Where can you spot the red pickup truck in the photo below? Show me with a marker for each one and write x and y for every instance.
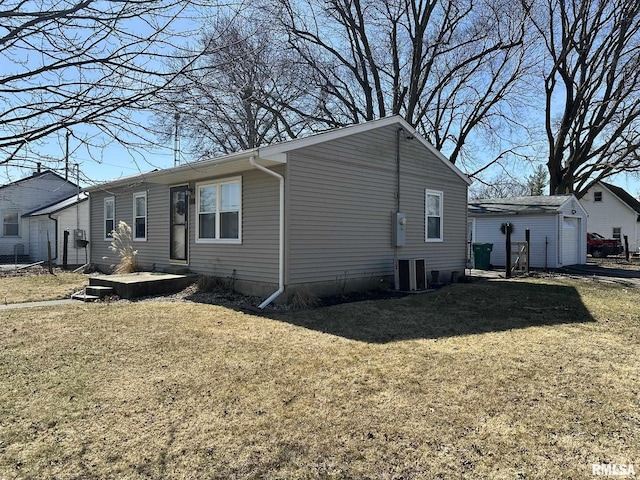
(598, 246)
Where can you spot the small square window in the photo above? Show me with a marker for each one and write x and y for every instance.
(597, 196)
(219, 211)
(617, 233)
(10, 224)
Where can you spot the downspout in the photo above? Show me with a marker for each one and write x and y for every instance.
(395, 217)
(55, 221)
(398, 168)
(274, 295)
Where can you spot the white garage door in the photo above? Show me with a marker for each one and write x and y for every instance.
(570, 236)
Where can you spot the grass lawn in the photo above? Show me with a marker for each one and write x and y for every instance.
(520, 379)
(35, 288)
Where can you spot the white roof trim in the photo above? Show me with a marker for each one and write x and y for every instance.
(277, 153)
(573, 197)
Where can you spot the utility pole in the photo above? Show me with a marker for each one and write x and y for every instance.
(66, 156)
(77, 195)
(176, 142)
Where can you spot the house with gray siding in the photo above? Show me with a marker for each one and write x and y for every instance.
(22, 234)
(557, 227)
(328, 213)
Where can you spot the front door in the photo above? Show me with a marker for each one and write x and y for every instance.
(179, 222)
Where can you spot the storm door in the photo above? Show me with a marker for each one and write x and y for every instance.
(179, 223)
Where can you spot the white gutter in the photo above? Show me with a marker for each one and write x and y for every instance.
(274, 295)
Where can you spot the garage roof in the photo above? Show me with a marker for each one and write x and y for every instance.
(548, 204)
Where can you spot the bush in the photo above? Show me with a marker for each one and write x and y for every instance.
(211, 284)
(121, 245)
(304, 299)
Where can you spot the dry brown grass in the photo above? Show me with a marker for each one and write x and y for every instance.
(35, 288)
(521, 379)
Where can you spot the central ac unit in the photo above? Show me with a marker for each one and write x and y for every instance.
(410, 274)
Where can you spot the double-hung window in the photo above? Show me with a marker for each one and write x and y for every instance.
(219, 211)
(617, 233)
(433, 216)
(140, 216)
(10, 225)
(109, 217)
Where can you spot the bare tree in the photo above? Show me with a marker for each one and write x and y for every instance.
(500, 186)
(592, 88)
(89, 62)
(452, 68)
(231, 96)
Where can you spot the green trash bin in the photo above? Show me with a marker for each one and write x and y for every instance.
(482, 255)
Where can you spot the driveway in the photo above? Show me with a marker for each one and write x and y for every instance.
(600, 270)
(614, 273)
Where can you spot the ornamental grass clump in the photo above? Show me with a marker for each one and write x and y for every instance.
(121, 245)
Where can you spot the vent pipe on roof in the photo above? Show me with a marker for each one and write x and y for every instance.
(276, 294)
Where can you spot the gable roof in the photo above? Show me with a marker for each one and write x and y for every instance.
(273, 155)
(276, 151)
(59, 206)
(543, 204)
(624, 196)
(37, 175)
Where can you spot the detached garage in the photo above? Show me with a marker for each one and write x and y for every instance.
(557, 225)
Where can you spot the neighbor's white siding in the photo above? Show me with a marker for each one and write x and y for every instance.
(573, 208)
(543, 229)
(548, 246)
(26, 196)
(41, 231)
(72, 218)
(609, 213)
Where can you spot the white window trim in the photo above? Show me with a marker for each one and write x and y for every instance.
(428, 192)
(135, 217)
(613, 233)
(17, 213)
(107, 238)
(218, 184)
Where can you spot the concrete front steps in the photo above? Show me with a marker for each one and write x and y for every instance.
(91, 293)
(133, 285)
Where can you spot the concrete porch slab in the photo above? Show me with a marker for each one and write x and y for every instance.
(141, 284)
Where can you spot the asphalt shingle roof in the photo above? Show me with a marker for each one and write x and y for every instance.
(61, 205)
(517, 205)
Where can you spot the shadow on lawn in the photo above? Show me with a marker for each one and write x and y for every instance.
(461, 309)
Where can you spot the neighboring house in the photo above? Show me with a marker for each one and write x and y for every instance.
(71, 220)
(613, 213)
(557, 226)
(317, 213)
(20, 235)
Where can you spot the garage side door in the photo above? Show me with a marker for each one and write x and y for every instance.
(570, 236)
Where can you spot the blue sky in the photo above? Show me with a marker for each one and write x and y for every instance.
(114, 161)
